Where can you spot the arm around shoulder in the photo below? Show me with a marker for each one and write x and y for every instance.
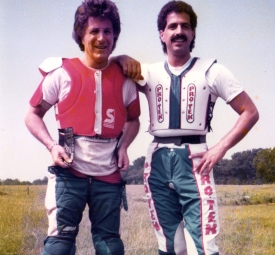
(131, 67)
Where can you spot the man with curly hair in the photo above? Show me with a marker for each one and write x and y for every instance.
(97, 112)
(181, 94)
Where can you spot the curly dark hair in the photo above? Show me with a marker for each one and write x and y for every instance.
(177, 7)
(95, 8)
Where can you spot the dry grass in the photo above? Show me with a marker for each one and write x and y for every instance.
(246, 194)
(136, 225)
(22, 222)
(245, 229)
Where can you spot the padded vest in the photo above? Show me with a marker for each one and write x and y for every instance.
(195, 100)
(78, 109)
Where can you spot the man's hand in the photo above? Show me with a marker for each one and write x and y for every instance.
(59, 156)
(208, 159)
(248, 116)
(123, 160)
(131, 67)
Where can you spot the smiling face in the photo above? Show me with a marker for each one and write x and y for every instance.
(98, 42)
(177, 35)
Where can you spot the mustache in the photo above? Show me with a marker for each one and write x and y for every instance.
(179, 36)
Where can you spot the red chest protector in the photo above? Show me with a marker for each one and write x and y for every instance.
(77, 110)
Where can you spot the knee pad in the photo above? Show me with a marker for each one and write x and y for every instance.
(108, 246)
(58, 246)
(180, 241)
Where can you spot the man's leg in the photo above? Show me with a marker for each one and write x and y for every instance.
(105, 206)
(199, 202)
(65, 202)
(163, 201)
(55, 246)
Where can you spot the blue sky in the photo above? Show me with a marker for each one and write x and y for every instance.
(239, 34)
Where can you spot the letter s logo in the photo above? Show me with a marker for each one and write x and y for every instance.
(111, 115)
(109, 122)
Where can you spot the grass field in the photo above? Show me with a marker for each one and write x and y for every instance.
(247, 215)
(22, 220)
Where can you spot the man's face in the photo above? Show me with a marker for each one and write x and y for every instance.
(177, 34)
(98, 42)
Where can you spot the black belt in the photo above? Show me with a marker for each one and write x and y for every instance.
(178, 140)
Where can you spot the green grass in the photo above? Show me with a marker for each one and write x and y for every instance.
(245, 194)
(20, 219)
(247, 230)
(247, 224)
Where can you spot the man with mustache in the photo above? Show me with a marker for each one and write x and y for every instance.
(181, 93)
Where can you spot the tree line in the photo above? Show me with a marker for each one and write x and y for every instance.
(9, 181)
(256, 166)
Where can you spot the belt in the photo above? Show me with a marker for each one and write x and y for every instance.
(178, 140)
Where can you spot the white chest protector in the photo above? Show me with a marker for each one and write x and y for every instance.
(195, 100)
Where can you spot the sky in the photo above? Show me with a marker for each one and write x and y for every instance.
(239, 34)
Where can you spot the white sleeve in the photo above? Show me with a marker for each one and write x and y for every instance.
(129, 92)
(144, 73)
(56, 86)
(223, 83)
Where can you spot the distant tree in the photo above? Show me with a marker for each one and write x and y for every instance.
(239, 170)
(243, 167)
(40, 182)
(25, 183)
(11, 182)
(134, 177)
(265, 164)
(139, 163)
(222, 172)
(134, 173)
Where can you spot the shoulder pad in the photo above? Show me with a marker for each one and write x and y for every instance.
(206, 63)
(156, 65)
(49, 65)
